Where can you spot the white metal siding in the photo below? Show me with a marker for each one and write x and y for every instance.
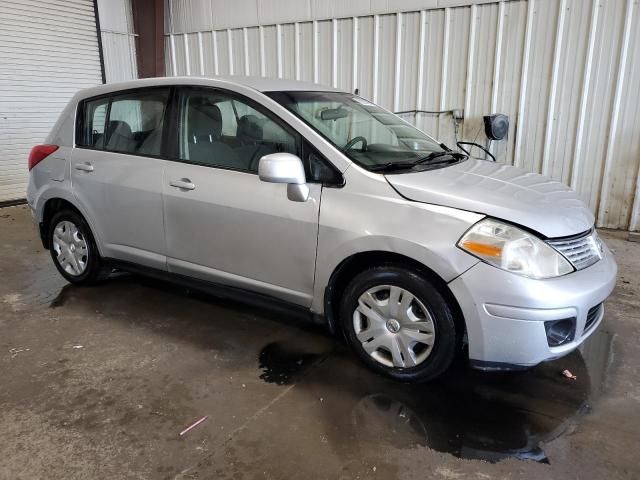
(118, 40)
(567, 72)
(48, 50)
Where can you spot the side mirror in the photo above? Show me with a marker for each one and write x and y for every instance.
(285, 168)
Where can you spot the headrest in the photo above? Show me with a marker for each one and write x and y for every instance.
(119, 136)
(119, 127)
(151, 114)
(249, 129)
(204, 119)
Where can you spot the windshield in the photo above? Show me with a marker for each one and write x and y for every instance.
(369, 135)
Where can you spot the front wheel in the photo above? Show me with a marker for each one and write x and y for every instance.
(399, 324)
(74, 250)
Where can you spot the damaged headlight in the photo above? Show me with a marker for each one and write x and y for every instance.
(514, 250)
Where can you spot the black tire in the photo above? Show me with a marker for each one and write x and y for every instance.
(96, 271)
(445, 345)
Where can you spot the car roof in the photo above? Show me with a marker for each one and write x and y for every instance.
(261, 84)
(270, 84)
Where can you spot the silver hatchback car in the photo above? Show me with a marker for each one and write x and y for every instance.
(292, 194)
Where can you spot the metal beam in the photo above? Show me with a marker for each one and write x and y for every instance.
(334, 53)
(445, 62)
(423, 32)
(230, 50)
(296, 48)
(354, 73)
(615, 120)
(279, 49)
(586, 87)
(174, 63)
(214, 45)
(316, 72)
(245, 39)
(396, 79)
(551, 106)
(471, 53)
(262, 56)
(201, 53)
(187, 60)
(376, 43)
(497, 58)
(524, 78)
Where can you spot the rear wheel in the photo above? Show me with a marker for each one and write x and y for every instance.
(74, 250)
(398, 323)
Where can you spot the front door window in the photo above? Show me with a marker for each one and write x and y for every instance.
(219, 130)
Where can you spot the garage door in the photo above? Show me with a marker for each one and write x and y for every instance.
(48, 51)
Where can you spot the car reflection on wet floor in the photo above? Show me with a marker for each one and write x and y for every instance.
(470, 414)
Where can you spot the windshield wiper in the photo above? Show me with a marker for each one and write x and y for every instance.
(433, 155)
(390, 166)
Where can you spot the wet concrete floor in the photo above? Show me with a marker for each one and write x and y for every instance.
(98, 382)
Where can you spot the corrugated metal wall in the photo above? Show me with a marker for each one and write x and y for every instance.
(118, 40)
(567, 72)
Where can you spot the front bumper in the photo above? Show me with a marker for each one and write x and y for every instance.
(505, 313)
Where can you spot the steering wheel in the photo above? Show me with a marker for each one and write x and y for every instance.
(354, 141)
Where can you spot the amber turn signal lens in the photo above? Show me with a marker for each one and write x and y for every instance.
(482, 249)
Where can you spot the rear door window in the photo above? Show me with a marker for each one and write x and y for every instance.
(128, 123)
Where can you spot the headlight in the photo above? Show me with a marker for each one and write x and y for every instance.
(512, 249)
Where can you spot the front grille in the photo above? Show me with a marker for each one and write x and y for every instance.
(592, 317)
(581, 251)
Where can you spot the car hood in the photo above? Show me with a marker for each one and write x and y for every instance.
(501, 191)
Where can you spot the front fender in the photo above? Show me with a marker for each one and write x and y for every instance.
(352, 223)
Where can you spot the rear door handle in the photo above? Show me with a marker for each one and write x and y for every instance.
(85, 167)
(183, 184)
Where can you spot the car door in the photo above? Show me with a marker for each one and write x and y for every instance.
(223, 224)
(116, 173)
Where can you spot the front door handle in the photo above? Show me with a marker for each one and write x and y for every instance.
(85, 167)
(182, 184)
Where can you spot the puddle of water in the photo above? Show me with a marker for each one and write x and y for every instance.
(38, 289)
(282, 366)
(68, 290)
(467, 413)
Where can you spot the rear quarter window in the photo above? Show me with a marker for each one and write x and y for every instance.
(94, 117)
